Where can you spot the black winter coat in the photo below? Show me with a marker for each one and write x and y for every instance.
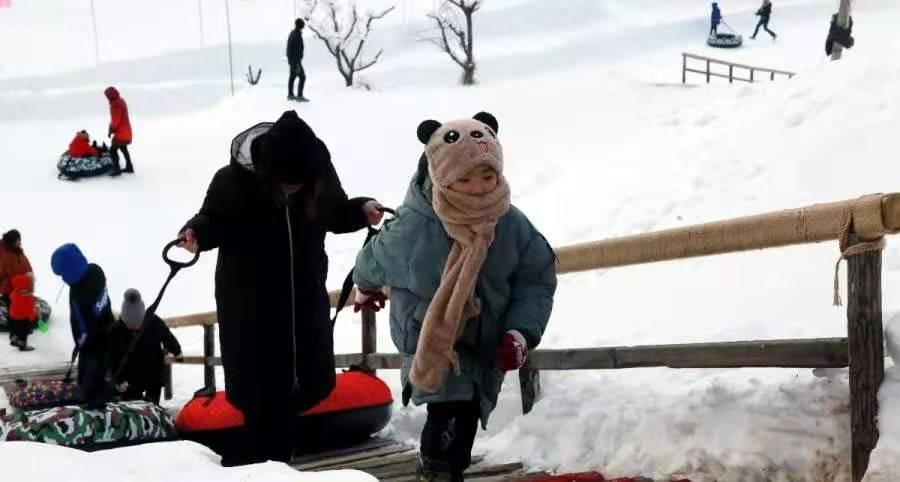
(90, 311)
(295, 47)
(764, 12)
(144, 366)
(273, 309)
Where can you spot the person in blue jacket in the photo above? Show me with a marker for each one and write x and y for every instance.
(472, 284)
(90, 317)
(715, 19)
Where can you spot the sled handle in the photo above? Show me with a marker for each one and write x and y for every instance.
(178, 264)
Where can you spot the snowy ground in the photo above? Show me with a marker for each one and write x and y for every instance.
(599, 143)
(170, 461)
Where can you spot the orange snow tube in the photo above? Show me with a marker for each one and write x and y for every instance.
(358, 407)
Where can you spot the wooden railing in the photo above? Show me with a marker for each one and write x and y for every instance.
(859, 222)
(731, 76)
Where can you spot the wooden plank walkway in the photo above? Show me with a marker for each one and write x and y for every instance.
(391, 461)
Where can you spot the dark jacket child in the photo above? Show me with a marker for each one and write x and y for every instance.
(141, 376)
(91, 319)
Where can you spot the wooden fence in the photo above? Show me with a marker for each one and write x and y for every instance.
(731, 75)
(859, 223)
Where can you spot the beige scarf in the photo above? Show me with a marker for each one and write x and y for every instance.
(471, 222)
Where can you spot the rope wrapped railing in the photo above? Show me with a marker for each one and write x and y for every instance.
(859, 225)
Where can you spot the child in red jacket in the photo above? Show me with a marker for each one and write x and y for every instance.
(81, 147)
(23, 316)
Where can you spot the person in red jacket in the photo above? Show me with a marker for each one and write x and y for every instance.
(23, 316)
(119, 130)
(12, 261)
(81, 147)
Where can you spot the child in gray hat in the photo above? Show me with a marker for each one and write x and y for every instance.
(142, 375)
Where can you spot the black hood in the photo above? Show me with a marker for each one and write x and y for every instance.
(286, 151)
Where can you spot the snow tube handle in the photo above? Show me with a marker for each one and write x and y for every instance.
(178, 264)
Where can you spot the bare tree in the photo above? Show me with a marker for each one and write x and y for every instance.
(453, 35)
(344, 33)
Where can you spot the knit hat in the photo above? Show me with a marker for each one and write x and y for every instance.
(133, 309)
(68, 261)
(289, 152)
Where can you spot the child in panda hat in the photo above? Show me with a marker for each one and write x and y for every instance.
(472, 284)
(142, 375)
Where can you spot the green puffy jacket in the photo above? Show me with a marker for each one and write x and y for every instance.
(516, 287)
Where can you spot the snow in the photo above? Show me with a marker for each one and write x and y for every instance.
(171, 461)
(601, 140)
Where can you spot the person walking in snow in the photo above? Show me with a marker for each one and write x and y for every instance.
(90, 317)
(715, 19)
(141, 377)
(268, 212)
(472, 284)
(295, 61)
(119, 131)
(764, 13)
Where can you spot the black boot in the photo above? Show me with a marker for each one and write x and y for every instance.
(434, 471)
(128, 168)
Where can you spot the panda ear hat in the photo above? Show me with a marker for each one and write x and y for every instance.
(489, 119)
(429, 127)
(426, 129)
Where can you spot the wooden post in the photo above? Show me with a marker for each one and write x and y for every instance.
(707, 71)
(843, 21)
(530, 385)
(209, 351)
(683, 68)
(730, 74)
(369, 334)
(751, 75)
(772, 77)
(167, 391)
(866, 347)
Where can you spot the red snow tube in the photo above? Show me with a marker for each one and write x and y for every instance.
(359, 406)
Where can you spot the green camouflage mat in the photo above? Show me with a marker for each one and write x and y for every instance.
(74, 426)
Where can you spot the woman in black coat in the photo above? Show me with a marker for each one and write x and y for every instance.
(267, 212)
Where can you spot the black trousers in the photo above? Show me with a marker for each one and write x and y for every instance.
(298, 73)
(151, 393)
(448, 437)
(92, 385)
(714, 29)
(114, 153)
(764, 23)
(21, 329)
(268, 435)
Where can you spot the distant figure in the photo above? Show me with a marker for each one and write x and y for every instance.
(715, 19)
(764, 12)
(295, 61)
(119, 130)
